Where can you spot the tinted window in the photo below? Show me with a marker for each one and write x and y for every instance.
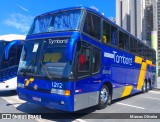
(106, 32)
(92, 25)
(154, 55)
(84, 61)
(121, 40)
(140, 49)
(11, 61)
(96, 60)
(114, 35)
(126, 40)
(147, 52)
(133, 45)
(150, 54)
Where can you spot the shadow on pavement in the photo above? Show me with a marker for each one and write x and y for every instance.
(8, 93)
(54, 115)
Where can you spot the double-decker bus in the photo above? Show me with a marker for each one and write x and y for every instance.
(10, 51)
(76, 58)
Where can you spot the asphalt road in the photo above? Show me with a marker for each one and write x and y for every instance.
(139, 103)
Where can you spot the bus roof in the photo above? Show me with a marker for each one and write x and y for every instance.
(11, 37)
(99, 14)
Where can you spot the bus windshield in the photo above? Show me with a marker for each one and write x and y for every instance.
(53, 61)
(60, 21)
(40, 58)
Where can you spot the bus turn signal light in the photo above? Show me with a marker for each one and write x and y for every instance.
(67, 93)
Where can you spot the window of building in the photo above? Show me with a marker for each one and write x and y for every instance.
(92, 25)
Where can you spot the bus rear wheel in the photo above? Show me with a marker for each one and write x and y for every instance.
(104, 97)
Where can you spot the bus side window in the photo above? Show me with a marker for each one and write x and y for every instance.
(127, 40)
(106, 32)
(121, 40)
(84, 62)
(114, 36)
(96, 60)
(145, 51)
(92, 25)
(13, 56)
(150, 54)
(11, 61)
(133, 45)
(140, 49)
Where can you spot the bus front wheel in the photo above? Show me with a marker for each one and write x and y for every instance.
(104, 97)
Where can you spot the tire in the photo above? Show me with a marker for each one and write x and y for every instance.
(144, 88)
(148, 86)
(104, 97)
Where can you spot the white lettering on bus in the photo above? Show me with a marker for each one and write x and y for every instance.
(119, 58)
(122, 59)
(51, 41)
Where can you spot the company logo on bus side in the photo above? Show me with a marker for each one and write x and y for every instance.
(119, 58)
(58, 41)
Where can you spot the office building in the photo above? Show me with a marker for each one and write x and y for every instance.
(136, 16)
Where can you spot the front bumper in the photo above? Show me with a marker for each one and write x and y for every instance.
(52, 101)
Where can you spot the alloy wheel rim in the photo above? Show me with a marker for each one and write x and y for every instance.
(104, 95)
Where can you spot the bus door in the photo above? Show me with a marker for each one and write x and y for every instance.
(83, 74)
(96, 76)
(88, 77)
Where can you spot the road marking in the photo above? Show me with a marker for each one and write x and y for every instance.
(44, 120)
(154, 92)
(13, 100)
(152, 98)
(130, 105)
(79, 120)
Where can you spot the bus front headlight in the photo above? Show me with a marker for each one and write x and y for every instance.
(20, 85)
(60, 92)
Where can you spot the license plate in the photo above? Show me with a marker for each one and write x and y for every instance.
(36, 99)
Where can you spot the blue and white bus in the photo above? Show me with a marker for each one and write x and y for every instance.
(76, 58)
(10, 51)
